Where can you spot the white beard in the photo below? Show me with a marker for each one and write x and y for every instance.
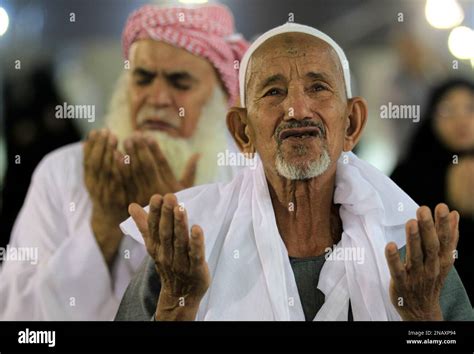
(313, 169)
(208, 140)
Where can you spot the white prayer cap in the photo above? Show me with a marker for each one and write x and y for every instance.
(287, 28)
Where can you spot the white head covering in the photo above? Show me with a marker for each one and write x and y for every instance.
(286, 28)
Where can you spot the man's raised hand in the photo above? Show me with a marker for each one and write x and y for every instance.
(149, 172)
(415, 286)
(104, 183)
(179, 258)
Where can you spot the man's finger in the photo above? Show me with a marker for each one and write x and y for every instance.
(109, 156)
(88, 148)
(156, 202)
(449, 256)
(164, 168)
(136, 171)
(96, 155)
(197, 256)
(190, 171)
(123, 167)
(454, 217)
(140, 216)
(395, 265)
(165, 254)
(89, 143)
(414, 253)
(429, 239)
(118, 184)
(181, 238)
(443, 227)
(147, 165)
(89, 171)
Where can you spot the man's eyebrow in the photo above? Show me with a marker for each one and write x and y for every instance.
(180, 75)
(143, 72)
(317, 76)
(271, 80)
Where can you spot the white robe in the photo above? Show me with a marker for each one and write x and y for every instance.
(252, 278)
(71, 280)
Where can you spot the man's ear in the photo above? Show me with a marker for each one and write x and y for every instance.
(355, 122)
(239, 129)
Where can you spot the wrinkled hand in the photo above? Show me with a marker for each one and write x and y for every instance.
(148, 171)
(180, 259)
(106, 189)
(416, 285)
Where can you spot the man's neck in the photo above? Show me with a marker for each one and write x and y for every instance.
(307, 219)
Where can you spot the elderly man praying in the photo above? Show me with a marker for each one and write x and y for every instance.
(169, 106)
(313, 232)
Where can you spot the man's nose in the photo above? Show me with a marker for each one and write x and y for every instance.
(297, 105)
(160, 95)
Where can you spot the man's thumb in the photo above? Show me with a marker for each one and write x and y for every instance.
(140, 216)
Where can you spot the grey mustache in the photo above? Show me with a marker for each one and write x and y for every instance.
(300, 124)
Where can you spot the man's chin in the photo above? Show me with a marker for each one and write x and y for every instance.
(302, 167)
(301, 162)
(176, 150)
(301, 148)
(301, 156)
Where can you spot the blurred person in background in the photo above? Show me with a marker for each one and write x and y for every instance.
(418, 69)
(439, 166)
(32, 132)
(166, 125)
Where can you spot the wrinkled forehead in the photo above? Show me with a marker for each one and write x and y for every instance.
(302, 42)
(309, 52)
(156, 55)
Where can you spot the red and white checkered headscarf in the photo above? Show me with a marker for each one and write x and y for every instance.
(206, 31)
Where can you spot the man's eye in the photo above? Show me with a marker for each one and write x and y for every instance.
(273, 92)
(144, 80)
(180, 86)
(180, 81)
(318, 87)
